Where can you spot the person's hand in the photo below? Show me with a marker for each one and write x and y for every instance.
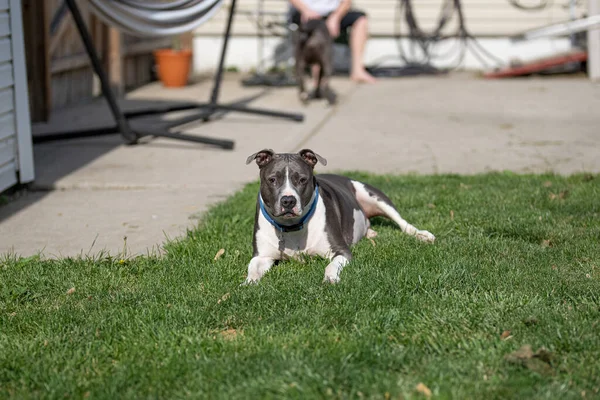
(310, 14)
(333, 25)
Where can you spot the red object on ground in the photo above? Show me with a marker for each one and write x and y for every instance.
(538, 65)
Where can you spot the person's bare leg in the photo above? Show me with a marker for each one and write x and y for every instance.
(358, 39)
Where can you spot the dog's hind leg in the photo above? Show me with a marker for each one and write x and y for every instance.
(300, 65)
(375, 203)
(318, 92)
(329, 93)
(325, 90)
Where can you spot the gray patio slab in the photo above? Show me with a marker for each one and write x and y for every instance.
(464, 125)
(98, 191)
(87, 222)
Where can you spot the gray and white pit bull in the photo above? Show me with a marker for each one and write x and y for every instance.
(298, 213)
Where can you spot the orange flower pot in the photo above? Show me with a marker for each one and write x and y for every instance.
(173, 67)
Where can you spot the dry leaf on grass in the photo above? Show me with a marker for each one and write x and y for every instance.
(451, 215)
(524, 353)
(230, 334)
(463, 186)
(421, 388)
(219, 254)
(538, 362)
(225, 297)
(530, 321)
(560, 195)
(505, 335)
(544, 355)
(547, 184)
(546, 243)
(71, 291)
(431, 205)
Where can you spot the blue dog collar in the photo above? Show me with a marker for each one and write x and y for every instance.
(295, 227)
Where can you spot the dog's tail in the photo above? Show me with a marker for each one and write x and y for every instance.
(375, 203)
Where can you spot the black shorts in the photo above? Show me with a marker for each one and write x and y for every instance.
(347, 20)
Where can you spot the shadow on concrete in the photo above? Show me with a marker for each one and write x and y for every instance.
(19, 201)
(96, 116)
(57, 159)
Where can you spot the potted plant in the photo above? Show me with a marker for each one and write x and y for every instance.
(173, 65)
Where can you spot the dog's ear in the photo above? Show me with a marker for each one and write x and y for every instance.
(262, 157)
(311, 158)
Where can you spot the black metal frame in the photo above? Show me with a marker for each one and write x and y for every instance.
(131, 136)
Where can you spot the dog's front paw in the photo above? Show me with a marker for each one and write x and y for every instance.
(425, 236)
(248, 282)
(304, 97)
(331, 97)
(332, 273)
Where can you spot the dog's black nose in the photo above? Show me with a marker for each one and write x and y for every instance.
(288, 202)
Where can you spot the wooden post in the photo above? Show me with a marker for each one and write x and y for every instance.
(187, 40)
(187, 43)
(97, 29)
(37, 31)
(593, 39)
(114, 60)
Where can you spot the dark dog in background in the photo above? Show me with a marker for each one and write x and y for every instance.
(314, 45)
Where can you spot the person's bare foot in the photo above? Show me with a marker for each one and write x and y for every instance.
(362, 76)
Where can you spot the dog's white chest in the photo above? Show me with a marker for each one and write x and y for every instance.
(311, 240)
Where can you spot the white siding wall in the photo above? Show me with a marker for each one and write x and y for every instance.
(492, 21)
(16, 156)
(494, 18)
(8, 168)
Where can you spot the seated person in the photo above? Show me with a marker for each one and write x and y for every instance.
(338, 15)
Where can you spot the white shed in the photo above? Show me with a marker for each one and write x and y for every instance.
(16, 150)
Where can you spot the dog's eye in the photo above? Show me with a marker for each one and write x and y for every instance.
(272, 180)
(303, 180)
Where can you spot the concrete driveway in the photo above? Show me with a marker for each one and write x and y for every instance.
(91, 194)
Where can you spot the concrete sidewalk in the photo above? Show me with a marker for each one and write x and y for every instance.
(92, 193)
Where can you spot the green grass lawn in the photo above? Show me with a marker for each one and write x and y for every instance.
(516, 262)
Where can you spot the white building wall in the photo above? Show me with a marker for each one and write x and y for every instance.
(491, 21)
(16, 154)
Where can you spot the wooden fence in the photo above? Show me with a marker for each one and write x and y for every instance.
(58, 67)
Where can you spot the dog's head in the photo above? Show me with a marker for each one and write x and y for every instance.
(310, 28)
(287, 182)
